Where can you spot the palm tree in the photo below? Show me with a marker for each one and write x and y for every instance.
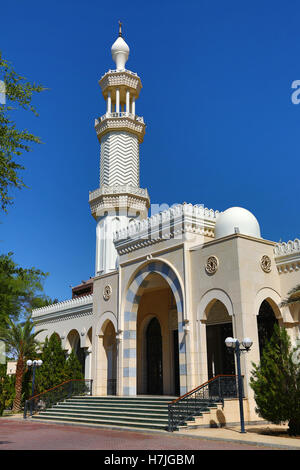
(293, 297)
(21, 341)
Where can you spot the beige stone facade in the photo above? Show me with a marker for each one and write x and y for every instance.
(168, 281)
(170, 288)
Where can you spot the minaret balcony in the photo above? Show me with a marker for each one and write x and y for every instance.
(120, 121)
(118, 115)
(122, 79)
(121, 197)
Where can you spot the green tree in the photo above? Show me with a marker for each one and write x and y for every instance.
(7, 389)
(54, 369)
(276, 382)
(13, 142)
(74, 367)
(21, 289)
(22, 344)
(293, 297)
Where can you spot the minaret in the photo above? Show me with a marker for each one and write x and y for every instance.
(119, 199)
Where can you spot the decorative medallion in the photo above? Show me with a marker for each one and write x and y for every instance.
(107, 291)
(265, 264)
(212, 265)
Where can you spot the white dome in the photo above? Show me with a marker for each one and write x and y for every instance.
(120, 53)
(237, 219)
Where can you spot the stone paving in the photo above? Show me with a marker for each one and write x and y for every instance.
(18, 434)
(253, 435)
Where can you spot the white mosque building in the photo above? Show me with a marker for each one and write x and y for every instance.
(168, 289)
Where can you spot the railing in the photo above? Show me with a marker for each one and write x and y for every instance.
(57, 394)
(116, 189)
(121, 114)
(214, 390)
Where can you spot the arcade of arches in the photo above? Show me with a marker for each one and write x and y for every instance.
(157, 341)
(219, 326)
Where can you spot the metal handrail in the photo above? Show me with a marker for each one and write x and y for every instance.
(190, 404)
(56, 394)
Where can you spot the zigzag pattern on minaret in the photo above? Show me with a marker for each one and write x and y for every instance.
(119, 159)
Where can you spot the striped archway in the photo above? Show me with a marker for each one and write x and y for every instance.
(133, 296)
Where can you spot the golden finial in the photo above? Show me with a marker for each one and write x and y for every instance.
(120, 28)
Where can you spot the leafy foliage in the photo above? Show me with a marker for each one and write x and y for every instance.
(293, 297)
(13, 141)
(276, 382)
(7, 389)
(53, 371)
(22, 343)
(74, 367)
(21, 289)
(56, 368)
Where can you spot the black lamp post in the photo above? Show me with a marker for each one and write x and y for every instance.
(234, 344)
(34, 364)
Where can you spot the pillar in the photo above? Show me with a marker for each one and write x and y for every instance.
(87, 368)
(117, 100)
(133, 105)
(127, 101)
(109, 103)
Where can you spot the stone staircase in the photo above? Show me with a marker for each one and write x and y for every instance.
(146, 412)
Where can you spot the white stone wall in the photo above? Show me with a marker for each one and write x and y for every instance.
(119, 160)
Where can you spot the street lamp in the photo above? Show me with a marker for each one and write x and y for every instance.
(34, 364)
(234, 344)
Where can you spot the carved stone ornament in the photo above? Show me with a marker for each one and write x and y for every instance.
(265, 264)
(212, 265)
(107, 291)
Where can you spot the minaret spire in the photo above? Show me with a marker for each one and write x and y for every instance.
(120, 132)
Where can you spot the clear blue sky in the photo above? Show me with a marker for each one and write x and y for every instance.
(216, 98)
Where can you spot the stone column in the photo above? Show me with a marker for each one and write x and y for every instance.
(127, 101)
(117, 100)
(203, 372)
(133, 105)
(109, 103)
(88, 358)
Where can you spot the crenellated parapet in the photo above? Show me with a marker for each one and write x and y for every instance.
(171, 223)
(287, 256)
(79, 306)
(125, 80)
(120, 121)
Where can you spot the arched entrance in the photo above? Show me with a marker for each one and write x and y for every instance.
(154, 291)
(218, 327)
(266, 320)
(157, 339)
(154, 358)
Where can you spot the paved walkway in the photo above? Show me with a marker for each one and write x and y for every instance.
(16, 433)
(253, 435)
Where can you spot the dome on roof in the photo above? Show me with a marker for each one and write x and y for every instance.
(120, 53)
(237, 219)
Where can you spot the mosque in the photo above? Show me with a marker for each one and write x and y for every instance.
(168, 289)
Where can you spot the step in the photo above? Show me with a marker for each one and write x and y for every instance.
(160, 420)
(103, 421)
(147, 412)
(119, 406)
(107, 413)
(120, 400)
